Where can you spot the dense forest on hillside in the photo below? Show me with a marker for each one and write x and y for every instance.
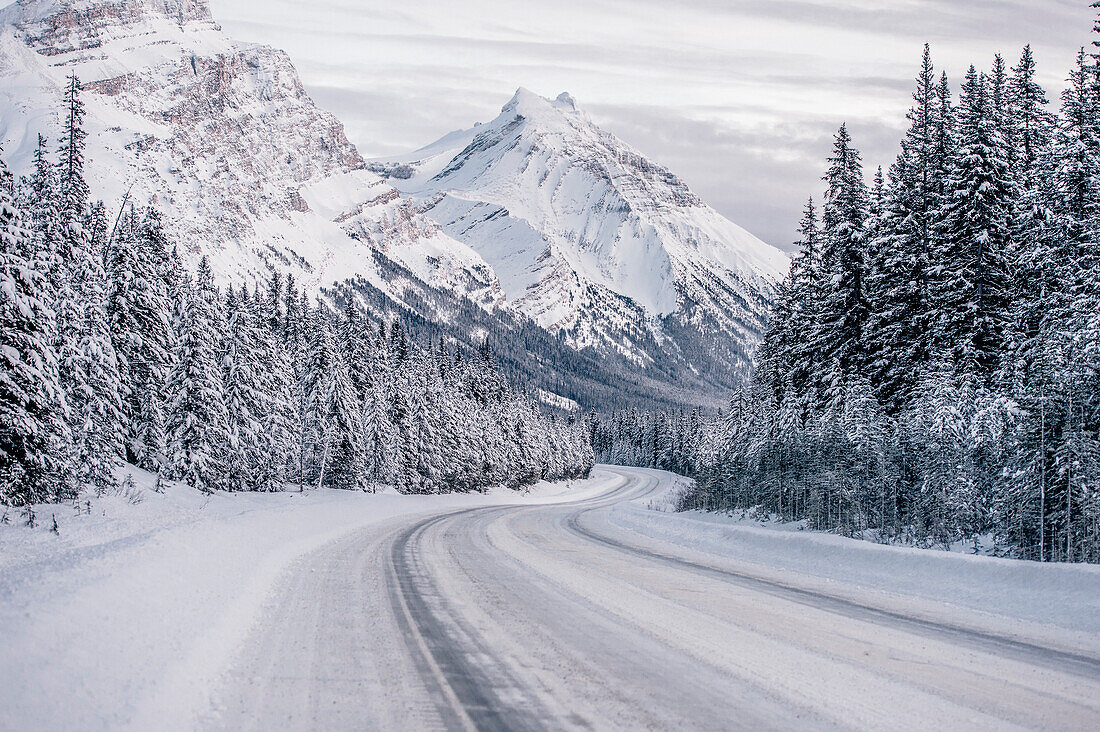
(932, 370)
(529, 354)
(110, 351)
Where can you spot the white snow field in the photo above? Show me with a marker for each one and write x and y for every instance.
(569, 607)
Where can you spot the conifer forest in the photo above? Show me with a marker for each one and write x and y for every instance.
(931, 371)
(112, 351)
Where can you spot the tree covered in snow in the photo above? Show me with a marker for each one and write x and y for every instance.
(197, 421)
(950, 392)
(971, 292)
(88, 365)
(111, 351)
(34, 464)
(139, 317)
(243, 394)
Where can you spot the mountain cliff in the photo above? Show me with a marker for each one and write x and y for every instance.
(589, 237)
(599, 275)
(221, 136)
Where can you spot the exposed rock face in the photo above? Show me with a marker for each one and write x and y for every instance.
(55, 27)
(537, 216)
(221, 134)
(589, 237)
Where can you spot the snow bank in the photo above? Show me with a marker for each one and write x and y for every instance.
(669, 495)
(129, 614)
(936, 584)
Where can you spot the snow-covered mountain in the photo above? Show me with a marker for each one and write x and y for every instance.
(537, 227)
(222, 137)
(590, 238)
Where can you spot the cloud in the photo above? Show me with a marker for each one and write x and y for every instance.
(759, 177)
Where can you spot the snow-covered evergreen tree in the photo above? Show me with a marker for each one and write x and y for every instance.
(973, 292)
(380, 436)
(34, 464)
(88, 363)
(278, 418)
(244, 398)
(40, 200)
(844, 308)
(197, 426)
(139, 315)
(316, 394)
(343, 463)
(901, 316)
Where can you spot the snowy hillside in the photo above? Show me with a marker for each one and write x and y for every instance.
(589, 237)
(221, 136)
(537, 216)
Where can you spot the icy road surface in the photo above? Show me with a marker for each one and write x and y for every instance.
(564, 616)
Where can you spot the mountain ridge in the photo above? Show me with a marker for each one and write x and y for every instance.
(220, 135)
(224, 139)
(576, 222)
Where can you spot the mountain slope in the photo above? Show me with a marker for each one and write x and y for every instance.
(613, 285)
(220, 135)
(591, 239)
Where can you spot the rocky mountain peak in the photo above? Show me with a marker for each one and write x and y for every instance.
(527, 103)
(540, 115)
(59, 16)
(591, 238)
(82, 27)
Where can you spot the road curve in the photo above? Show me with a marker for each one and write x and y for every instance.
(549, 617)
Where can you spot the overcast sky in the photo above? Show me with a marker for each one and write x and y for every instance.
(740, 98)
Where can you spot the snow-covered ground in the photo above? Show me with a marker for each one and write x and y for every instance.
(127, 615)
(1007, 592)
(578, 605)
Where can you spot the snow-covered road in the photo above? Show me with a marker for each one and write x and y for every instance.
(569, 615)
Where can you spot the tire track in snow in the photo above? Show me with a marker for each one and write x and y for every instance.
(467, 680)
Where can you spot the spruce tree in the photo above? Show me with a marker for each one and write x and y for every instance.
(347, 452)
(806, 292)
(276, 375)
(72, 186)
(379, 435)
(944, 133)
(245, 401)
(355, 346)
(34, 466)
(196, 415)
(974, 288)
(903, 246)
(1032, 124)
(42, 205)
(1077, 181)
(317, 393)
(140, 323)
(88, 363)
(844, 307)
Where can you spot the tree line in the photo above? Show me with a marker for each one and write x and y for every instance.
(931, 373)
(111, 351)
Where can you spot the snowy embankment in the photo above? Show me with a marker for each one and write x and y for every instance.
(130, 612)
(1057, 603)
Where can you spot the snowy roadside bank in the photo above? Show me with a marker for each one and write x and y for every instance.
(132, 610)
(1006, 594)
